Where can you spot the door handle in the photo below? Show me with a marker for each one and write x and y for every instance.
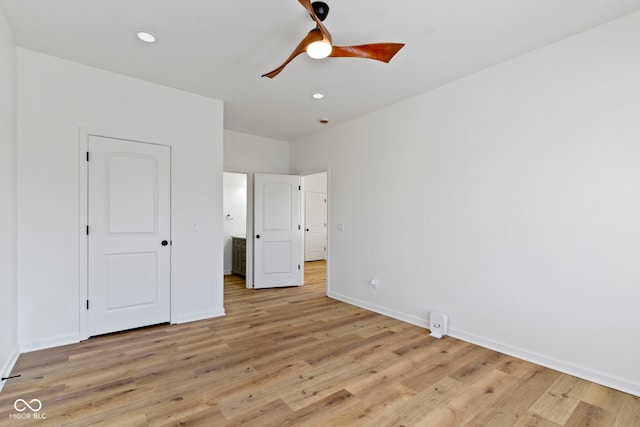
(257, 236)
(165, 243)
(307, 229)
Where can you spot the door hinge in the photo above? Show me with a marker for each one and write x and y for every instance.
(87, 230)
(299, 228)
(87, 156)
(299, 188)
(87, 304)
(298, 266)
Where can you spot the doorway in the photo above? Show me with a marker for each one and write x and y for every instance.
(239, 186)
(315, 205)
(235, 200)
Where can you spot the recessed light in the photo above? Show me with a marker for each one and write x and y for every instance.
(317, 96)
(146, 37)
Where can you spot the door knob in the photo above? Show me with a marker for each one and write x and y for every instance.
(165, 243)
(257, 236)
(307, 229)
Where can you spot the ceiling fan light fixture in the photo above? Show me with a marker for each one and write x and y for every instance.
(319, 49)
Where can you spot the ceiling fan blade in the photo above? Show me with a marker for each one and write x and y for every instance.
(307, 5)
(378, 51)
(314, 35)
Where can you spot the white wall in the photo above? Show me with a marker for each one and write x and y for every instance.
(235, 213)
(253, 154)
(57, 98)
(8, 277)
(509, 200)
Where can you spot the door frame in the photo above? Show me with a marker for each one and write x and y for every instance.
(83, 220)
(314, 171)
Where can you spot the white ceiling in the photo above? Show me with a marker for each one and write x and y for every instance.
(220, 48)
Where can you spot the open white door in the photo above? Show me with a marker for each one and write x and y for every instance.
(315, 223)
(277, 231)
(128, 235)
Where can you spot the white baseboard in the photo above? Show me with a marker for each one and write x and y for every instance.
(72, 339)
(414, 320)
(7, 367)
(49, 343)
(194, 317)
(621, 384)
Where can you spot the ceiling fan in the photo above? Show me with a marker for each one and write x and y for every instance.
(318, 44)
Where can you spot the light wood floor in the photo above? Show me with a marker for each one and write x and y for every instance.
(295, 357)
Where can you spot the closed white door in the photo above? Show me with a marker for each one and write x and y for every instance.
(315, 223)
(128, 234)
(277, 231)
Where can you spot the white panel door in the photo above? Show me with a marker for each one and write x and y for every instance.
(128, 235)
(315, 223)
(277, 231)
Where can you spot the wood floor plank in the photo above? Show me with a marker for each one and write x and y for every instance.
(603, 397)
(559, 401)
(530, 419)
(331, 377)
(586, 415)
(293, 356)
(249, 396)
(391, 375)
(321, 411)
(629, 414)
(428, 407)
(272, 414)
(512, 408)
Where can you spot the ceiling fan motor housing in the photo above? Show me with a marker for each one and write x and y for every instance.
(321, 9)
